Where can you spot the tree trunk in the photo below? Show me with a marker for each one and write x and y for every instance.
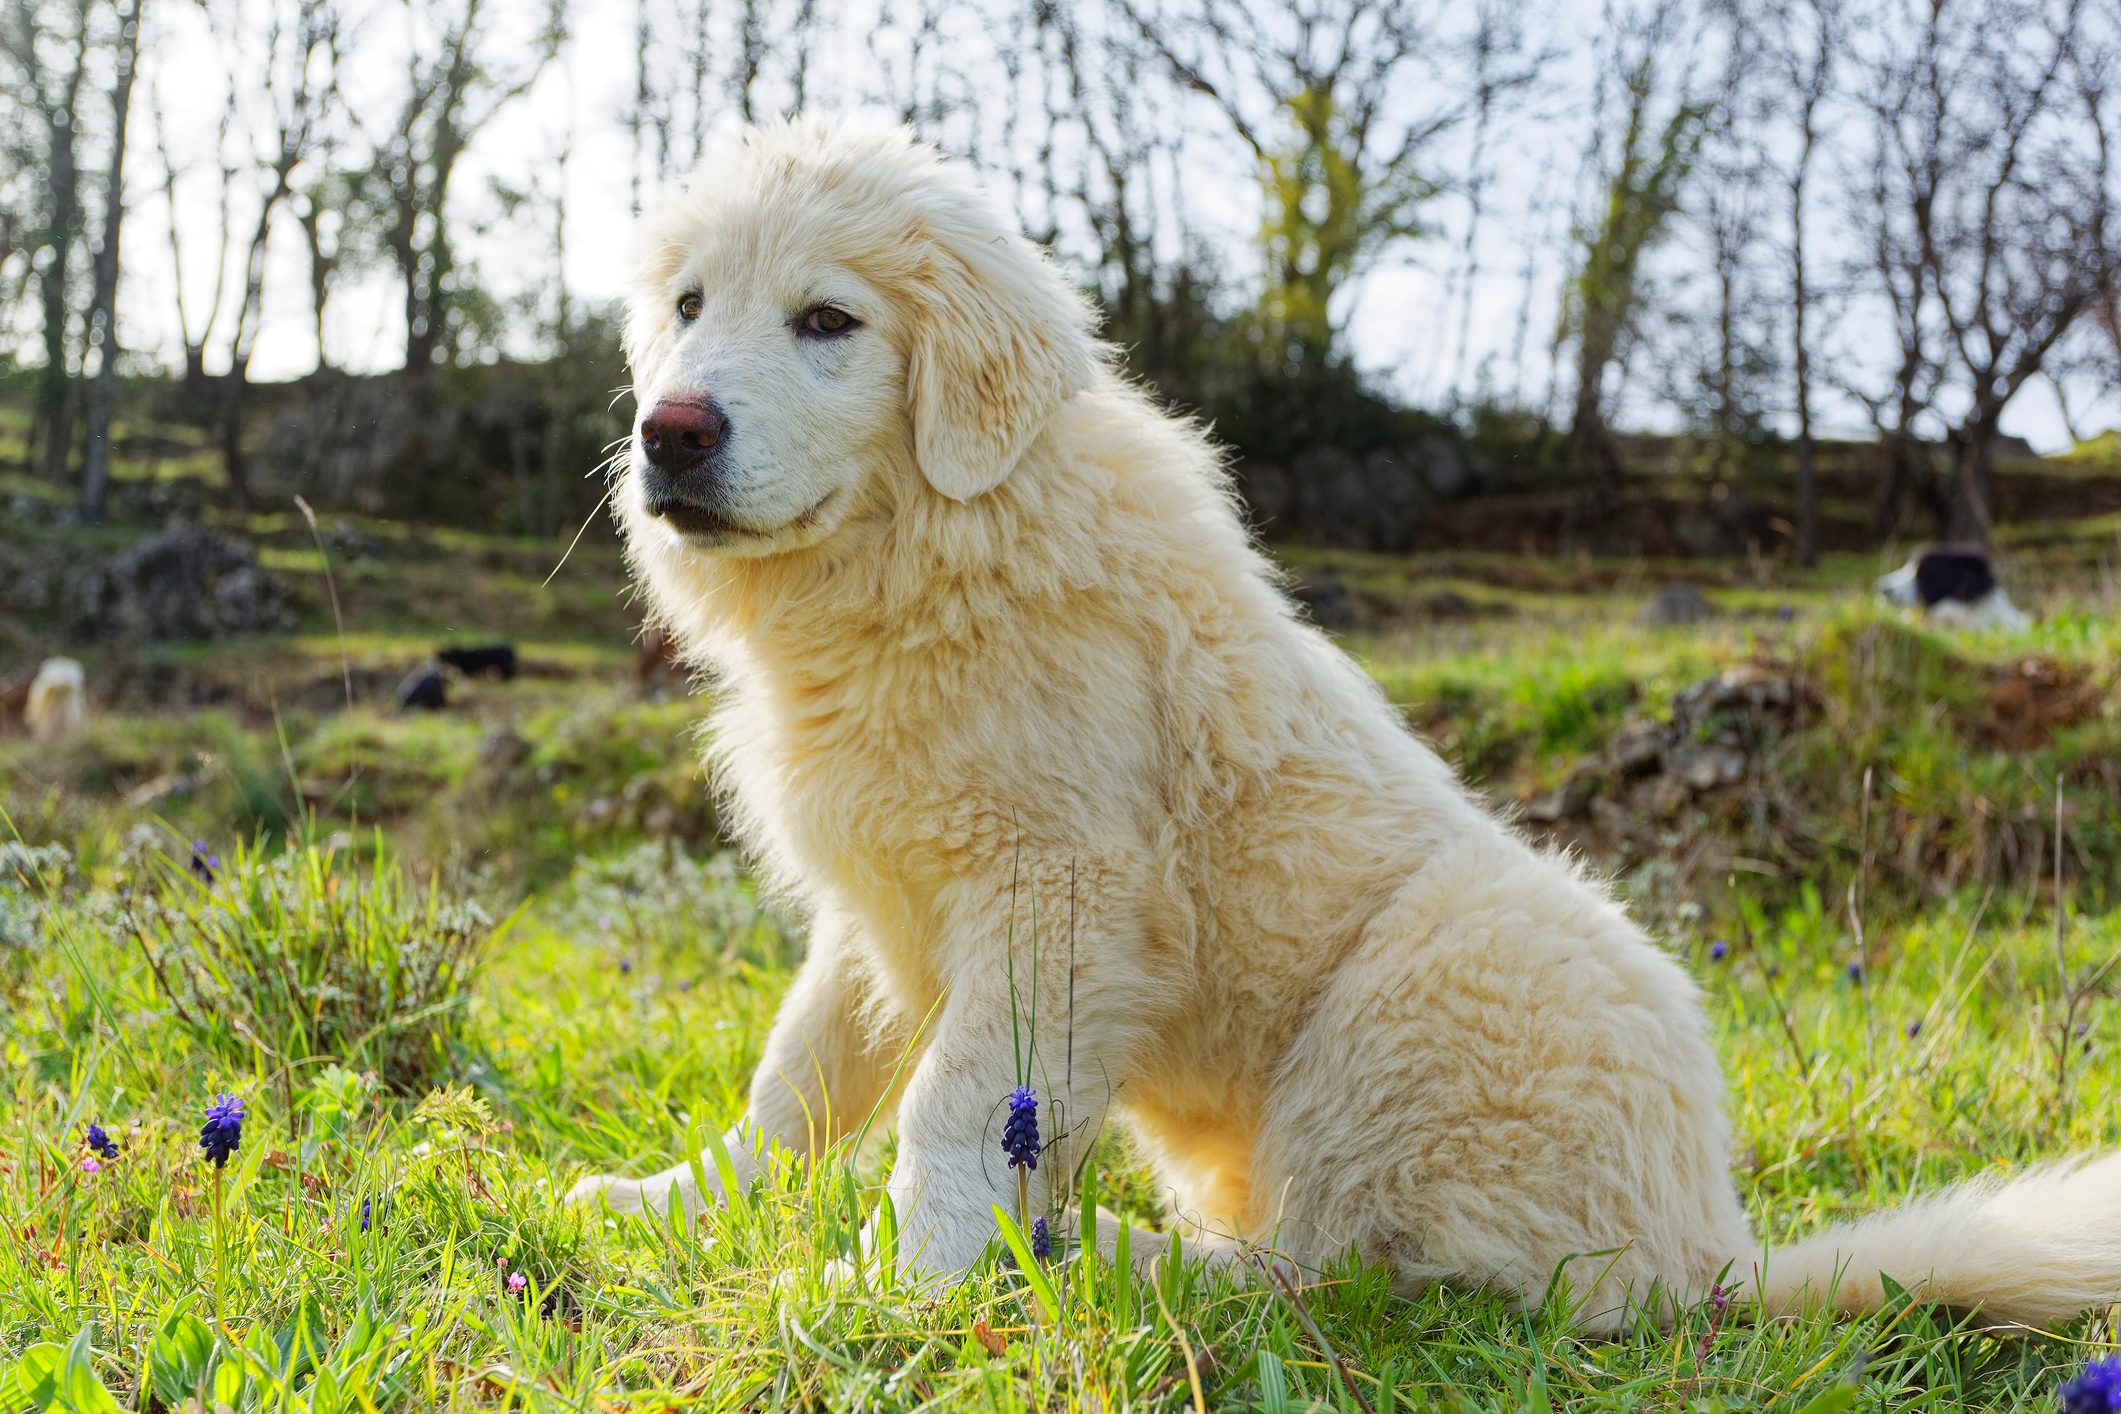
(1974, 480)
(55, 390)
(103, 313)
(1910, 485)
(1807, 496)
(1801, 359)
(1596, 457)
(235, 402)
(1807, 482)
(321, 266)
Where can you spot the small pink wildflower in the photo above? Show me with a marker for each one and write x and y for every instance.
(517, 1281)
(90, 1166)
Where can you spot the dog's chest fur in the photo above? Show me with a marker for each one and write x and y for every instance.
(871, 782)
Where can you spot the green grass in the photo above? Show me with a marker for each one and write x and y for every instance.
(581, 1063)
(617, 1022)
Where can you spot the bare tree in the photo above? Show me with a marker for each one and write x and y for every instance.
(1500, 64)
(103, 309)
(2007, 211)
(1318, 91)
(454, 87)
(195, 339)
(1105, 98)
(1807, 41)
(1638, 164)
(328, 210)
(1889, 267)
(47, 73)
(1731, 196)
(300, 50)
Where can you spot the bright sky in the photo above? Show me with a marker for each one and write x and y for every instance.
(1402, 320)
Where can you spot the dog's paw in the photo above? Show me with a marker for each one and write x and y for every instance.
(635, 1195)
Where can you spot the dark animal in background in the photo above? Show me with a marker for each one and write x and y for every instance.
(1954, 584)
(496, 660)
(424, 690)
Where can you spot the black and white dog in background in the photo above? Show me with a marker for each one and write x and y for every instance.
(1954, 584)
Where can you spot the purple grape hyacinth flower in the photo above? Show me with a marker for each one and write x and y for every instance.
(204, 866)
(1041, 1240)
(222, 1134)
(101, 1144)
(1719, 950)
(1020, 1134)
(2097, 1390)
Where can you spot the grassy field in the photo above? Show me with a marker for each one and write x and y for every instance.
(450, 963)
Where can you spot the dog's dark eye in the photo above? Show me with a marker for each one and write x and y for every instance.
(827, 321)
(689, 306)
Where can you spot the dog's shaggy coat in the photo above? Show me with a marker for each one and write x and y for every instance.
(1002, 678)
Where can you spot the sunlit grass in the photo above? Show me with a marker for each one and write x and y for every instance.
(1941, 1062)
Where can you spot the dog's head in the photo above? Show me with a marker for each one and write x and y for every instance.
(830, 318)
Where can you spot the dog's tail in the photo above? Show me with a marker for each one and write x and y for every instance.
(2029, 1250)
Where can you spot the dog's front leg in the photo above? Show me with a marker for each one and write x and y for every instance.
(824, 1072)
(951, 1171)
(1095, 1003)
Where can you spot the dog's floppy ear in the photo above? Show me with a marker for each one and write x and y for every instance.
(1001, 342)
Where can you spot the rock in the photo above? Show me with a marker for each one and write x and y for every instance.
(1653, 771)
(1566, 801)
(1678, 604)
(248, 600)
(424, 690)
(1748, 690)
(184, 583)
(34, 510)
(1610, 817)
(1706, 765)
(1444, 468)
(1637, 747)
(1661, 796)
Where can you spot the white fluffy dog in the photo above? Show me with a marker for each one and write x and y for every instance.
(1011, 702)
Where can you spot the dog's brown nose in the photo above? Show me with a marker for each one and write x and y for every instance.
(680, 434)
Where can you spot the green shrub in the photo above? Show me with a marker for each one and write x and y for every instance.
(291, 954)
(30, 876)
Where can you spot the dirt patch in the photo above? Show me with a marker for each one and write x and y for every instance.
(2031, 699)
